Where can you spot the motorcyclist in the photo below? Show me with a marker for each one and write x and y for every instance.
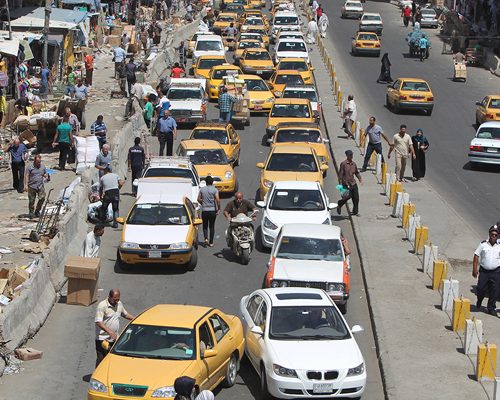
(237, 206)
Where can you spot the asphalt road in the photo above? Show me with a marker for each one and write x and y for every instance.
(474, 194)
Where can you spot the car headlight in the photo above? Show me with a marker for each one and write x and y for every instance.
(97, 386)
(269, 224)
(282, 371)
(213, 86)
(270, 99)
(278, 93)
(336, 287)
(166, 391)
(129, 245)
(275, 284)
(268, 184)
(180, 245)
(228, 175)
(272, 127)
(327, 222)
(356, 370)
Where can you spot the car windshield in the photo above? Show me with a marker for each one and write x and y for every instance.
(367, 36)
(290, 111)
(292, 162)
(428, 13)
(256, 85)
(306, 248)
(292, 46)
(254, 21)
(286, 20)
(208, 45)
(494, 103)
(289, 79)
(490, 132)
(415, 86)
(161, 342)
(371, 18)
(297, 200)
(354, 4)
(258, 31)
(207, 156)
(246, 45)
(307, 323)
(300, 94)
(184, 94)
(300, 66)
(290, 35)
(209, 63)
(226, 18)
(158, 214)
(250, 36)
(237, 8)
(171, 173)
(220, 73)
(257, 55)
(298, 135)
(211, 134)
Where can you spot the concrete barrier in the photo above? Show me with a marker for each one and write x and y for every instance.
(486, 361)
(430, 254)
(449, 292)
(439, 273)
(473, 335)
(461, 313)
(421, 238)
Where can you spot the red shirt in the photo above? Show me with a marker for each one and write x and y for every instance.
(89, 61)
(176, 72)
(319, 12)
(407, 12)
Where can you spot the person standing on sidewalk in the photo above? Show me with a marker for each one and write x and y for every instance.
(167, 133)
(119, 57)
(64, 139)
(348, 171)
(406, 14)
(99, 130)
(420, 146)
(107, 321)
(34, 180)
(131, 78)
(486, 264)
(350, 115)
(89, 69)
(210, 207)
(374, 133)
(136, 160)
(110, 194)
(148, 111)
(323, 24)
(18, 155)
(103, 160)
(403, 147)
(225, 105)
(144, 37)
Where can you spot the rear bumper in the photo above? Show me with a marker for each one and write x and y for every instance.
(376, 29)
(187, 119)
(484, 157)
(266, 73)
(416, 105)
(352, 14)
(428, 24)
(366, 50)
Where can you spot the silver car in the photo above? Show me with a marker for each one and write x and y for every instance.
(429, 18)
(352, 9)
(485, 146)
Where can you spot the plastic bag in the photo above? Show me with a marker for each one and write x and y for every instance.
(93, 211)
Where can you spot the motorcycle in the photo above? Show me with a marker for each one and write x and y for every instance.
(240, 236)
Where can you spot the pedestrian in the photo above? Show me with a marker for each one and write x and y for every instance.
(107, 321)
(350, 115)
(34, 180)
(203, 25)
(103, 160)
(119, 57)
(81, 91)
(44, 81)
(323, 24)
(205, 395)
(122, 77)
(72, 120)
(18, 155)
(230, 31)
(177, 71)
(422, 45)
(89, 69)
(420, 146)
(181, 50)
(347, 172)
(125, 40)
(486, 264)
(143, 38)
(137, 92)
(406, 14)
(148, 110)
(131, 78)
(375, 135)
(312, 31)
(99, 130)
(319, 12)
(189, 12)
(210, 208)
(385, 70)
(64, 140)
(314, 8)
(167, 133)
(413, 12)
(184, 387)
(110, 194)
(226, 102)
(458, 57)
(136, 160)
(418, 16)
(164, 7)
(403, 147)
(92, 242)
(70, 82)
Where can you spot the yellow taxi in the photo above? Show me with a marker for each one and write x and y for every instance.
(366, 43)
(290, 162)
(192, 42)
(410, 94)
(205, 63)
(209, 158)
(297, 64)
(261, 98)
(246, 44)
(307, 133)
(256, 61)
(251, 36)
(257, 13)
(288, 110)
(262, 32)
(222, 132)
(253, 22)
(283, 78)
(161, 226)
(216, 75)
(167, 341)
(224, 20)
(488, 109)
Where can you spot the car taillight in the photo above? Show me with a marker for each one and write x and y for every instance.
(377, 44)
(430, 98)
(270, 272)
(402, 97)
(347, 277)
(475, 148)
(358, 44)
(490, 116)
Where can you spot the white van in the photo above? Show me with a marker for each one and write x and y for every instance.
(208, 45)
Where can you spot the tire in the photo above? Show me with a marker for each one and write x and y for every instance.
(429, 113)
(245, 256)
(264, 392)
(343, 308)
(387, 102)
(193, 261)
(231, 372)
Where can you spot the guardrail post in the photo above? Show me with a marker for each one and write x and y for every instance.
(473, 335)
(378, 167)
(356, 130)
(339, 100)
(421, 238)
(439, 272)
(414, 222)
(449, 293)
(390, 179)
(397, 204)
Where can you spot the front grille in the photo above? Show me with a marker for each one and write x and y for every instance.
(316, 375)
(329, 375)
(154, 246)
(314, 285)
(350, 390)
(321, 394)
(180, 113)
(129, 390)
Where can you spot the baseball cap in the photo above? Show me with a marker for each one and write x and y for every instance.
(494, 228)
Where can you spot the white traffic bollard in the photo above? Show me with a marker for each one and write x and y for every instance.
(414, 223)
(378, 167)
(430, 254)
(406, 200)
(496, 390)
(473, 335)
(398, 205)
(449, 293)
(390, 177)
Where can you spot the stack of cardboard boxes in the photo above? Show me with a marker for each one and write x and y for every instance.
(11, 284)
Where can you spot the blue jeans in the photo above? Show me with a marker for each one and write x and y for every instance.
(225, 116)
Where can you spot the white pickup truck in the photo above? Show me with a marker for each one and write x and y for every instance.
(188, 100)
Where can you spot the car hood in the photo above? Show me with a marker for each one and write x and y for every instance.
(257, 63)
(292, 176)
(316, 354)
(185, 104)
(213, 169)
(308, 270)
(280, 217)
(155, 234)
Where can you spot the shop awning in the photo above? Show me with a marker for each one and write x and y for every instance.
(59, 19)
(11, 47)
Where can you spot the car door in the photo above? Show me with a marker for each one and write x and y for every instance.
(225, 342)
(481, 110)
(249, 313)
(393, 92)
(257, 339)
(209, 365)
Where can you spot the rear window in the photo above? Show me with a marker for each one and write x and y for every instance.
(488, 133)
(220, 73)
(209, 63)
(184, 94)
(292, 46)
(171, 173)
(289, 80)
(366, 36)
(300, 94)
(371, 18)
(208, 45)
(298, 135)
(494, 103)
(290, 111)
(257, 55)
(300, 66)
(292, 162)
(286, 20)
(417, 86)
(211, 134)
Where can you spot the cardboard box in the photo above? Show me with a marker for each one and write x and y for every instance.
(83, 274)
(3, 285)
(28, 353)
(114, 40)
(17, 276)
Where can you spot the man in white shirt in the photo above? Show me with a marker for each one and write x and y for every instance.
(403, 147)
(92, 242)
(350, 115)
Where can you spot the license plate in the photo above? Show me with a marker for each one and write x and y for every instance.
(322, 387)
(154, 254)
(492, 150)
(257, 107)
(259, 72)
(181, 119)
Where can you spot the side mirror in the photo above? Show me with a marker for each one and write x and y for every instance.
(270, 140)
(226, 48)
(209, 353)
(120, 220)
(323, 167)
(257, 330)
(260, 165)
(357, 329)
(261, 204)
(326, 140)
(197, 221)
(331, 206)
(135, 182)
(311, 69)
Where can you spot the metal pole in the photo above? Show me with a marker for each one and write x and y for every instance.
(8, 18)
(46, 33)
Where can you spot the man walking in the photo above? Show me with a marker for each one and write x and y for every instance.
(18, 155)
(347, 172)
(110, 194)
(486, 264)
(374, 133)
(225, 105)
(167, 133)
(99, 130)
(119, 57)
(402, 146)
(107, 321)
(103, 160)
(136, 160)
(34, 179)
(350, 115)
(89, 69)
(92, 242)
(210, 207)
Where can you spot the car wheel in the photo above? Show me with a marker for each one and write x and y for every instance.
(387, 102)
(193, 261)
(343, 308)
(122, 264)
(231, 372)
(264, 392)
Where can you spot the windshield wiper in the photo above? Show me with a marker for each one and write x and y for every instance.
(130, 354)
(313, 337)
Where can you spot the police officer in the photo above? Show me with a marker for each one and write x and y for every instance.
(136, 160)
(486, 264)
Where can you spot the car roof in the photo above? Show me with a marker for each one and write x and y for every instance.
(286, 12)
(174, 315)
(214, 125)
(319, 231)
(490, 124)
(493, 96)
(297, 297)
(196, 144)
(169, 161)
(306, 185)
(353, 1)
(161, 198)
(210, 37)
(369, 13)
(291, 101)
(311, 88)
(292, 148)
(229, 13)
(412, 79)
(292, 59)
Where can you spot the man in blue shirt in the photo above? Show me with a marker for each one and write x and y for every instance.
(18, 155)
(99, 130)
(167, 132)
(44, 87)
(120, 55)
(225, 105)
(422, 44)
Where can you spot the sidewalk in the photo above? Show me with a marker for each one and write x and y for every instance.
(419, 352)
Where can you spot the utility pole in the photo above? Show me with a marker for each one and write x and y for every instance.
(8, 18)
(46, 33)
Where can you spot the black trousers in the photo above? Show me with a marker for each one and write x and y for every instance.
(100, 352)
(18, 168)
(488, 284)
(354, 196)
(112, 197)
(208, 218)
(63, 154)
(166, 139)
(136, 174)
(377, 148)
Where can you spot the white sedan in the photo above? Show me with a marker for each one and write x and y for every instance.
(300, 345)
(293, 201)
(352, 9)
(485, 146)
(291, 48)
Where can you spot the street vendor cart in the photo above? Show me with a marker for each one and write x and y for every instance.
(459, 71)
(237, 88)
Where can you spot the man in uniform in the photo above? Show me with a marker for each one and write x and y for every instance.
(486, 264)
(136, 160)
